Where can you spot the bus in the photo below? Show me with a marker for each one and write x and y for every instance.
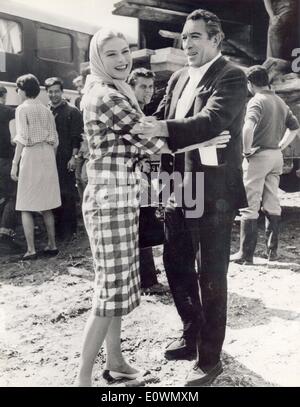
(41, 43)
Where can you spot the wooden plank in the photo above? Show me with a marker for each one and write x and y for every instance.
(183, 6)
(150, 13)
(169, 34)
(244, 49)
(225, 9)
(190, 5)
(142, 54)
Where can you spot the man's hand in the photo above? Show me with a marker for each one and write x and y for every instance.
(248, 154)
(149, 127)
(71, 164)
(13, 172)
(274, 19)
(145, 166)
(219, 141)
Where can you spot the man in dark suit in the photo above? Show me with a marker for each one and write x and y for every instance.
(201, 101)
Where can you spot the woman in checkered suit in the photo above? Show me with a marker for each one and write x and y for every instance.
(111, 200)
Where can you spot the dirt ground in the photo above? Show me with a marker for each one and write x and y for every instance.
(45, 303)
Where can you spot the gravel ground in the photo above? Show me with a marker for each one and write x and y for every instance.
(44, 306)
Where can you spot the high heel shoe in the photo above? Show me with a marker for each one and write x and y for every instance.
(111, 376)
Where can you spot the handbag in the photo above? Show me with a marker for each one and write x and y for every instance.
(151, 227)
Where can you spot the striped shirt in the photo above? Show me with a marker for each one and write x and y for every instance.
(35, 124)
(108, 118)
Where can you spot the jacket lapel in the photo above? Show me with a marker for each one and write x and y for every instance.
(212, 72)
(203, 91)
(178, 89)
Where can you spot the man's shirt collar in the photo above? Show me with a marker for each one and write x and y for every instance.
(52, 107)
(196, 74)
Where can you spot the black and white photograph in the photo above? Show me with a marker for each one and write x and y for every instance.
(149, 195)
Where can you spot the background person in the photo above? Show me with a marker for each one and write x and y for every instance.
(82, 156)
(69, 126)
(265, 135)
(142, 82)
(78, 83)
(8, 188)
(38, 187)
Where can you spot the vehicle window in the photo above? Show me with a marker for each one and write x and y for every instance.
(54, 45)
(10, 36)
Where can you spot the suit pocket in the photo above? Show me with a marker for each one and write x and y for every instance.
(216, 188)
(235, 189)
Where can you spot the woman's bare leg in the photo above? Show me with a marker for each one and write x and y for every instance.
(115, 360)
(50, 227)
(94, 334)
(28, 226)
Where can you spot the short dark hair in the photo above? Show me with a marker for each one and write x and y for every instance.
(29, 84)
(213, 23)
(258, 76)
(140, 73)
(3, 91)
(55, 80)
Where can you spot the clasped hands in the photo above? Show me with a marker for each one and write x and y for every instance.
(150, 127)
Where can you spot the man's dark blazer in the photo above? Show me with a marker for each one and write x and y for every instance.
(219, 105)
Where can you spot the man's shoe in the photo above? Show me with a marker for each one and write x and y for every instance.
(155, 289)
(248, 238)
(204, 376)
(272, 255)
(181, 349)
(239, 258)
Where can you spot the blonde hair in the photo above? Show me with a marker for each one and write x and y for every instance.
(104, 35)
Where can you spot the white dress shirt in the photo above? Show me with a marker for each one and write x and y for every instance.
(188, 94)
(208, 155)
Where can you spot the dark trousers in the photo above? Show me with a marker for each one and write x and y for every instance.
(200, 298)
(8, 191)
(147, 268)
(65, 216)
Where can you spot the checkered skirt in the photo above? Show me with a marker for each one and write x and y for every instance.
(111, 216)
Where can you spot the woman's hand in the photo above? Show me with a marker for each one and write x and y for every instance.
(14, 171)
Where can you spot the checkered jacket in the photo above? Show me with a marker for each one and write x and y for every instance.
(108, 118)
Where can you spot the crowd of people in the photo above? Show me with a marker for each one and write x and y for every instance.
(98, 150)
(45, 177)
